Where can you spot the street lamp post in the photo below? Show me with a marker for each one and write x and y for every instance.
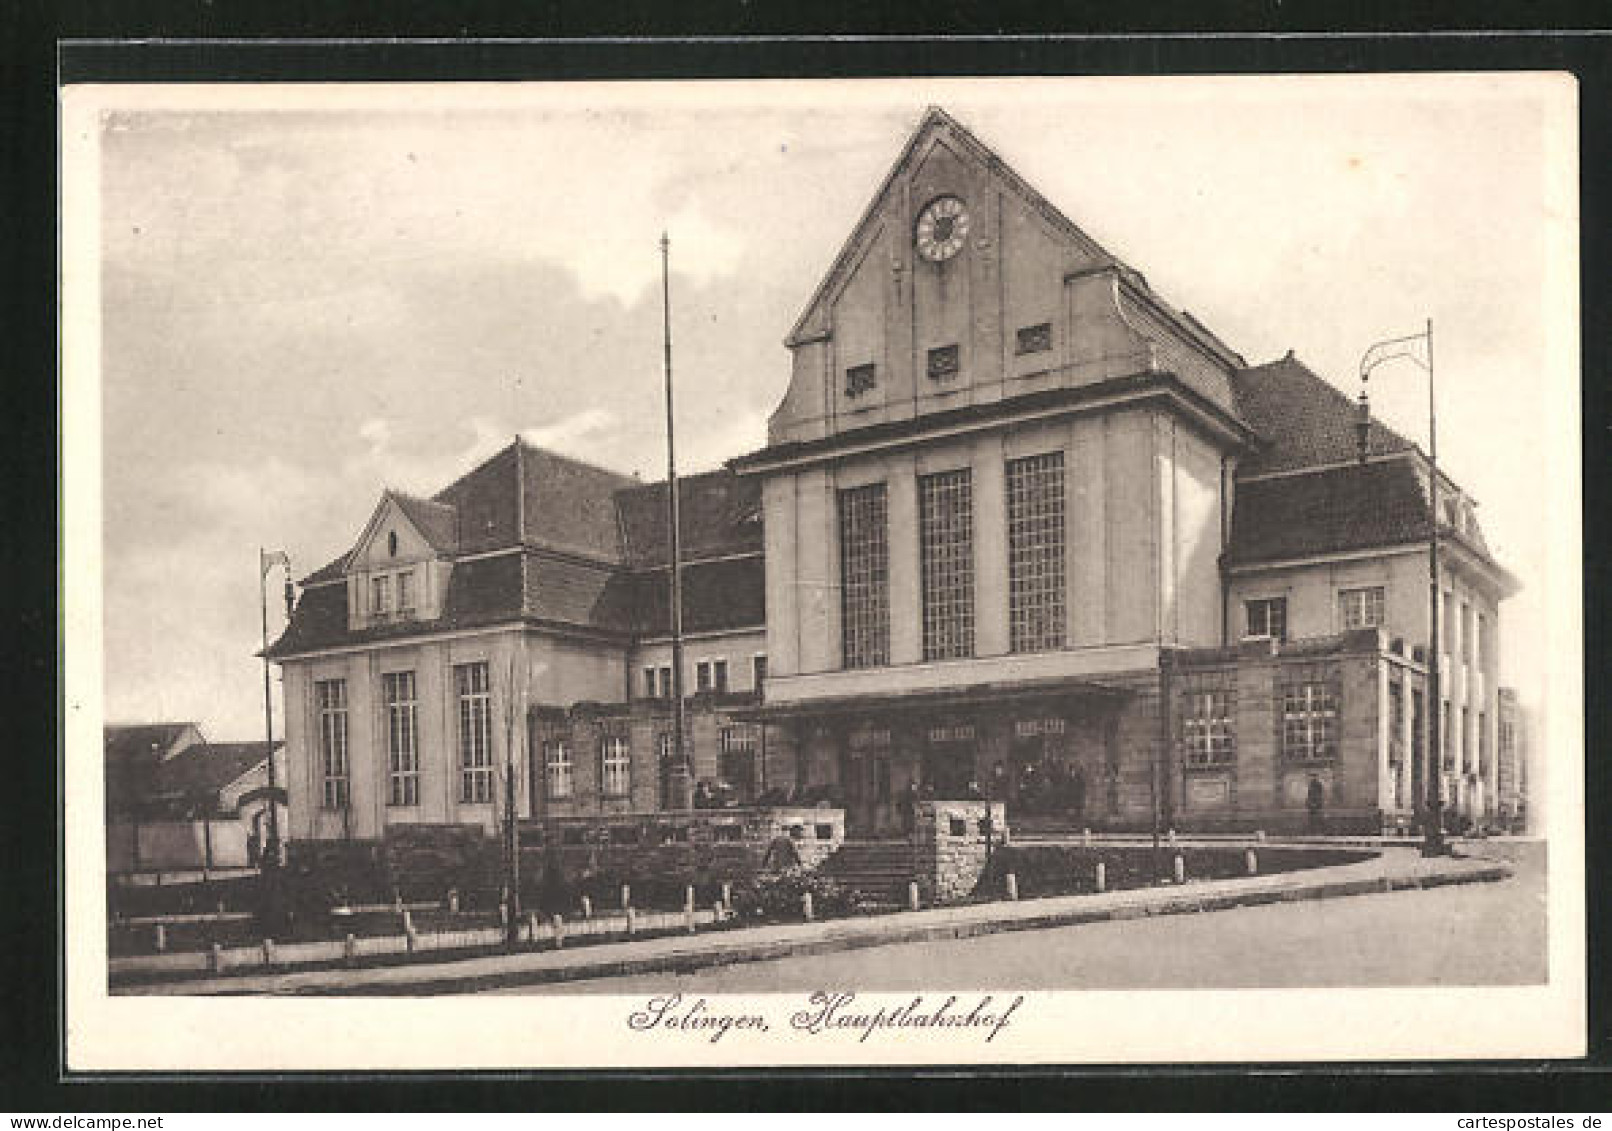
(1433, 843)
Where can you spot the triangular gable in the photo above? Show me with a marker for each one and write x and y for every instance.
(422, 532)
(937, 128)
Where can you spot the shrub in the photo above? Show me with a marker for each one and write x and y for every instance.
(778, 895)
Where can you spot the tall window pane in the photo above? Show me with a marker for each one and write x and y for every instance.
(475, 733)
(402, 753)
(865, 576)
(1309, 721)
(1035, 498)
(330, 698)
(946, 563)
(615, 760)
(557, 770)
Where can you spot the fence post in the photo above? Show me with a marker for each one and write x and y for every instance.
(559, 929)
(453, 901)
(587, 907)
(215, 959)
(268, 952)
(688, 898)
(632, 918)
(912, 895)
(161, 940)
(688, 917)
(1012, 886)
(349, 948)
(1172, 838)
(1259, 835)
(531, 927)
(1085, 837)
(806, 905)
(727, 894)
(1102, 876)
(408, 922)
(626, 896)
(1251, 861)
(411, 939)
(1180, 869)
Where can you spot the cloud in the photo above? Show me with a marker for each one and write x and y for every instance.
(572, 435)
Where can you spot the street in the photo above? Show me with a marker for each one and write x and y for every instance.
(1469, 934)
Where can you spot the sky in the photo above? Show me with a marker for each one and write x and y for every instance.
(310, 294)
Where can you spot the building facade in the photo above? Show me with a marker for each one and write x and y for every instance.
(1021, 531)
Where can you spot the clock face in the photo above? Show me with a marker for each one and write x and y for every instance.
(942, 229)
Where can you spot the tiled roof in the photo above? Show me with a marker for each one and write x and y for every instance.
(719, 512)
(728, 593)
(437, 522)
(1342, 508)
(1302, 420)
(134, 741)
(184, 785)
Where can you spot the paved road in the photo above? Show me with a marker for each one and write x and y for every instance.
(1472, 934)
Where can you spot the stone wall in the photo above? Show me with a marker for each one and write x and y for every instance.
(951, 843)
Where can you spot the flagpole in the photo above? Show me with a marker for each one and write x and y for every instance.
(679, 754)
(271, 850)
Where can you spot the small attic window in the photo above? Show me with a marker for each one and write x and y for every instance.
(943, 363)
(860, 379)
(1034, 339)
(391, 543)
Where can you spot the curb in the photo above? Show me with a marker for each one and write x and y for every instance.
(450, 981)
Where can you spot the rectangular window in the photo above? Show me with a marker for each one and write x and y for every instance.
(1396, 722)
(475, 733)
(402, 751)
(1035, 501)
(1360, 608)
(649, 683)
(615, 766)
(1034, 339)
(1445, 743)
(864, 576)
(946, 563)
(405, 592)
(330, 698)
(943, 363)
(736, 759)
(1208, 731)
(702, 676)
(665, 681)
(1267, 616)
(1483, 744)
(719, 675)
(1418, 726)
(1309, 721)
(860, 379)
(557, 776)
(758, 670)
(380, 590)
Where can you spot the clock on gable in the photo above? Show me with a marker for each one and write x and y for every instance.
(942, 228)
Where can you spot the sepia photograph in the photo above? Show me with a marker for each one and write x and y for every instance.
(698, 573)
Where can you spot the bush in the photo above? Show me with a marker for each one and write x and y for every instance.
(778, 895)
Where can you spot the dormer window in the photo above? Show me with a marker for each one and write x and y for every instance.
(380, 596)
(405, 593)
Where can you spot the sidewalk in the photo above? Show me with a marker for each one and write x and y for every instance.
(1394, 869)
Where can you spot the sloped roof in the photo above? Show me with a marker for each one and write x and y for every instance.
(204, 769)
(1351, 507)
(719, 512)
(935, 121)
(126, 742)
(1302, 420)
(436, 522)
(729, 593)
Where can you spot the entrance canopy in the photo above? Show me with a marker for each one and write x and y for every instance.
(980, 695)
